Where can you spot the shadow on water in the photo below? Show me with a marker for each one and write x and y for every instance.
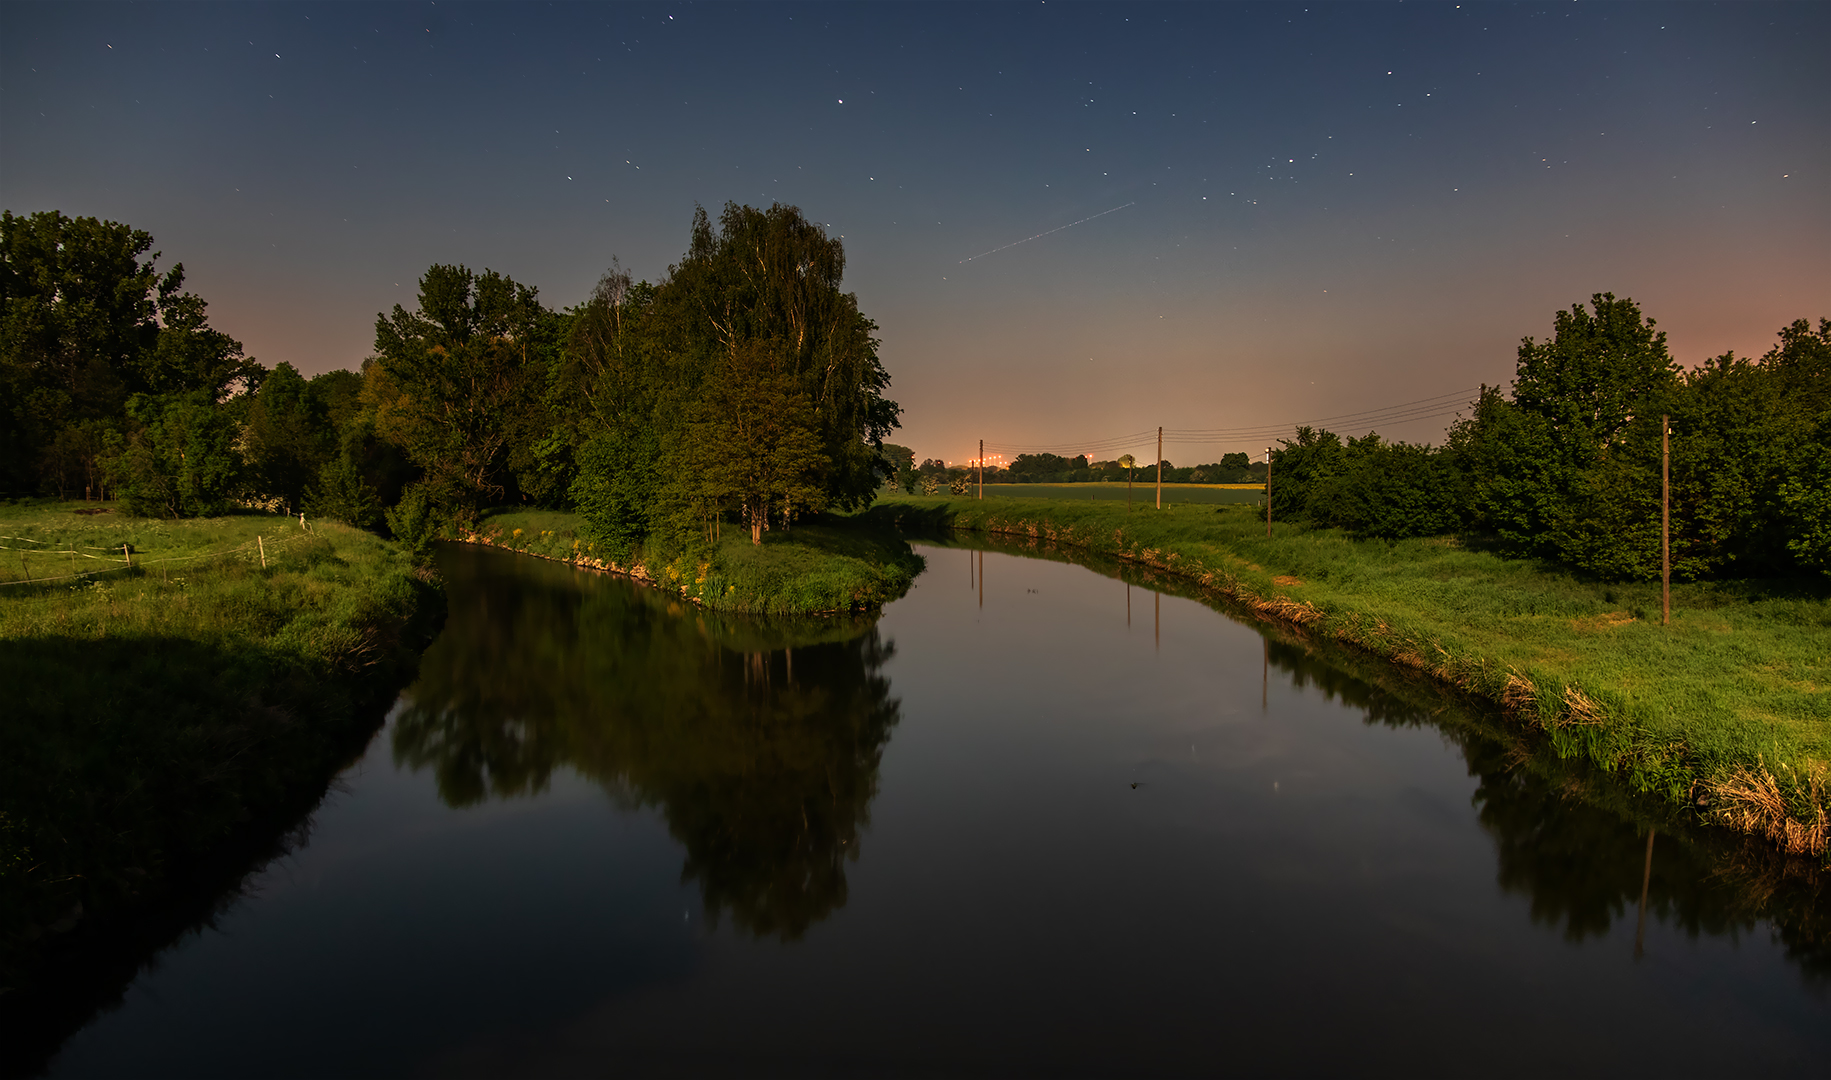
(173, 863)
(1569, 838)
(757, 741)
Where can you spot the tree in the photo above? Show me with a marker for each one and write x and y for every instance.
(773, 276)
(616, 379)
(287, 437)
(899, 466)
(85, 323)
(1388, 490)
(750, 444)
(452, 377)
(763, 283)
(181, 460)
(1301, 465)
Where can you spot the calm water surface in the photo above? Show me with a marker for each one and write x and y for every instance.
(1032, 820)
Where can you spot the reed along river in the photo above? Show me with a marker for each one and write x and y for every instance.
(1031, 820)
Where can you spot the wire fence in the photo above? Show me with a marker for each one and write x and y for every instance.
(258, 548)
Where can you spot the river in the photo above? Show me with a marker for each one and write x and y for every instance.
(1035, 818)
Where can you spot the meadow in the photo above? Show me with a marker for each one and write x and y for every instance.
(1727, 710)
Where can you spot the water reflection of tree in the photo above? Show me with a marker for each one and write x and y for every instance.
(1573, 842)
(763, 763)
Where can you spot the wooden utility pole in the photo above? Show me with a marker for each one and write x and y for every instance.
(1160, 468)
(1665, 525)
(982, 468)
(1268, 493)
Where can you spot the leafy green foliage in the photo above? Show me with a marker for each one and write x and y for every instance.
(750, 444)
(85, 324)
(342, 494)
(287, 436)
(454, 376)
(182, 460)
(746, 383)
(418, 521)
(1569, 467)
(1388, 490)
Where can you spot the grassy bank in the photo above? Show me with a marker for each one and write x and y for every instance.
(1727, 711)
(826, 567)
(161, 710)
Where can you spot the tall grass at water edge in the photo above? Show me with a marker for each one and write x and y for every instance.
(818, 568)
(1727, 710)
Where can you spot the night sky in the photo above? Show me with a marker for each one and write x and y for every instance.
(1303, 211)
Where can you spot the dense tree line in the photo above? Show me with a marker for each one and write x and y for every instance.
(1054, 469)
(1567, 466)
(744, 386)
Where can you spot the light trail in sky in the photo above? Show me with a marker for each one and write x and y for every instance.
(1040, 235)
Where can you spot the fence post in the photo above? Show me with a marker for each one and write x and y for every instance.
(1665, 522)
(263, 546)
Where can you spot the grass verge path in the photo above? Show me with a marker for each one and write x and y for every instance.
(1727, 711)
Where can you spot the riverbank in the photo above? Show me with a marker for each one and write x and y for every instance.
(1726, 712)
(827, 567)
(176, 689)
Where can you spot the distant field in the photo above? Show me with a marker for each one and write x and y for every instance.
(1143, 492)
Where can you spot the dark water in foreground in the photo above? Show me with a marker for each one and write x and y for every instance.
(1000, 830)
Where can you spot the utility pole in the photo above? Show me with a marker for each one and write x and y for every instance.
(1160, 468)
(982, 468)
(1268, 493)
(1665, 529)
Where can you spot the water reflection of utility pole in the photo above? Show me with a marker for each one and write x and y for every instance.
(982, 579)
(1128, 605)
(1265, 672)
(969, 571)
(1157, 620)
(1646, 880)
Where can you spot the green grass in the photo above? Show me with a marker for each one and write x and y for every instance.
(828, 567)
(1144, 492)
(155, 712)
(1728, 708)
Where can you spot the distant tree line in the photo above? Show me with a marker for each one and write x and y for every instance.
(743, 387)
(1567, 466)
(1053, 469)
